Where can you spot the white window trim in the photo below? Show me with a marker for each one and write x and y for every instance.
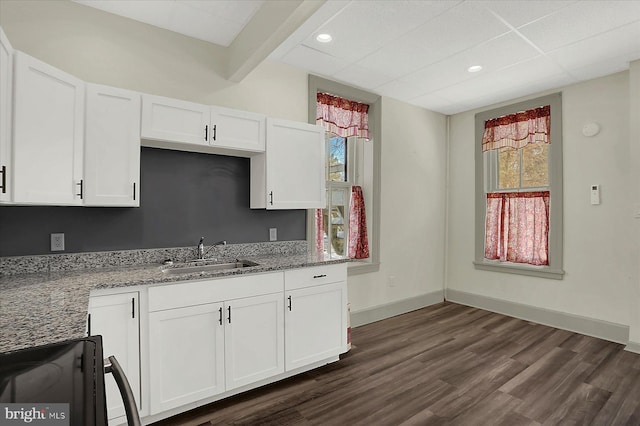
(555, 268)
(318, 84)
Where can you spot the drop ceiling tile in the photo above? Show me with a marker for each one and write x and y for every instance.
(460, 28)
(620, 42)
(438, 103)
(524, 75)
(609, 66)
(493, 55)
(520, 12)
(197, 24)
(324, 14)
(364, 26)
(398, 58)
(314, 61)
(362, 77)
(399, 90)
(579, 21)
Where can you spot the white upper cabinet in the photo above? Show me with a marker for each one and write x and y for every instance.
(112, 147)
(6, 89)
(173, 120)
(239, 130)
(191, 126)
(48, 134)
(290, 175)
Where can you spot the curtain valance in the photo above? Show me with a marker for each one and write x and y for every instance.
(517, 130)
(341, 116)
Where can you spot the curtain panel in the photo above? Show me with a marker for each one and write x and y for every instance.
(517, 130)
(517, 227)
(341, 116)
(358, 241)
(319, 227)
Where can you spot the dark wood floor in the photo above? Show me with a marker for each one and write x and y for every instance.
(450, 365)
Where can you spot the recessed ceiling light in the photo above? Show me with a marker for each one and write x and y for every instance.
(324, 38)
(474, 68)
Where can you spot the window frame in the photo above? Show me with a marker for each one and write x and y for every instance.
(482, 176)
(344, 185)
(318, 84)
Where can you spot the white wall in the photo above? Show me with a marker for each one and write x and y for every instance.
(412, 209)
(107, 49)
(600, 257)
(634, 112)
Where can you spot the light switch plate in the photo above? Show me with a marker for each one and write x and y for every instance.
(595, 194)
(273, 234)
(57, 242)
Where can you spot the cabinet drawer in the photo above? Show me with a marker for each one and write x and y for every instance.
(191, 293)
(317, 275)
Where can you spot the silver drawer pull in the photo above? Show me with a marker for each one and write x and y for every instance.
(320, 276)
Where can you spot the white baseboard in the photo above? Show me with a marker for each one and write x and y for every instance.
(388, 310)
(591, 327)
(633, 347)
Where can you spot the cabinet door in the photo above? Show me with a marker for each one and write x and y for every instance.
(186, 355)
(172, 120)
(115, 318)
(294, 167)
(112, 147)
(48, 132)
(6, 72)
(254, 339)
(316, 324)
(234, 129)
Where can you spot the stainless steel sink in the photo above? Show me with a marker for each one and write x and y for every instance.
(194, 269)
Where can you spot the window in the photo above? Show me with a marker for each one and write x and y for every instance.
(350, 161)
(519, 188)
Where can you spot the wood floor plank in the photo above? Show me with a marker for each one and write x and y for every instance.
(451, 365)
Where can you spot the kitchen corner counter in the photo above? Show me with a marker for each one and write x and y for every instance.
(41, 308)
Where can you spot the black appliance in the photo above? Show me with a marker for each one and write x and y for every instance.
(68, 376)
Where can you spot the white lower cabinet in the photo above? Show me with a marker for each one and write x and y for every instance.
(315, 327)
(315, 314)
(200, 351)
(204, 340)
(116, 318)
(254, 339)
(186, 355)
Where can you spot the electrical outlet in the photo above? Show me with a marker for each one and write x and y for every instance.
(391, 281)
(57, 242)
(273, 234)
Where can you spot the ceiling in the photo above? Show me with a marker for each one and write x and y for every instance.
(419, 51)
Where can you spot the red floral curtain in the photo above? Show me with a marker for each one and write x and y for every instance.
(341, 116)
(517, 130)
(319, 227)
(517, 227)
(358, 242)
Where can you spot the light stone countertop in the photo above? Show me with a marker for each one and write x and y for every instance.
(41, 308)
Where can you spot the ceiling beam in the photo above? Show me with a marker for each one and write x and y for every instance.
(272, 24)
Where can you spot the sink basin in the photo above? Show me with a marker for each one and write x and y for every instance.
(192, 269)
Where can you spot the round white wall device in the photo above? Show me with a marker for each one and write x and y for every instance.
(590, 129)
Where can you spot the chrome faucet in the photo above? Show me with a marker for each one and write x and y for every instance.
(200, 249)
(201, 252)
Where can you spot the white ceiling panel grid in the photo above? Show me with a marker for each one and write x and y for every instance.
(418, 51)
